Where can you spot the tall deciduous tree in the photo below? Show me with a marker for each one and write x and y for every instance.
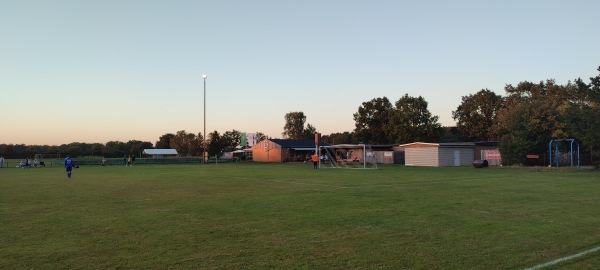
(476, 115)
(97, 149)
(136, 147)
(309, 132)
(582, 114)
(294, 125)
(115, 149)
(183, 142)
(231, 139)
(196, 144)
(411, 121)
(371, 119)
(529, 119)
(216, 144)
(164, 142)
(595, 89)
(338, 138)
(54, 149)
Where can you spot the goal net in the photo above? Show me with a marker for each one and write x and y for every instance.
(353, 156)
(42, 157)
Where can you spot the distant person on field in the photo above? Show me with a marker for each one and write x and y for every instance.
(1, 161)
(69, 164)
(315, 160)
(129, 161)
(27, 163)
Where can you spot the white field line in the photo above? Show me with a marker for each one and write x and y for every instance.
(539, 266)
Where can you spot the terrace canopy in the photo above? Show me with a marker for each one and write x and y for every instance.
(160, 152)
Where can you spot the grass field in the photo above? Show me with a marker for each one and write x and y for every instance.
(289, 216)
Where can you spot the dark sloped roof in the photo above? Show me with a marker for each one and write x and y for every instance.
(457, 144)
(487, 143)
(288, 143)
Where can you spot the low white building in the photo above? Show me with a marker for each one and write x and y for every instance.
(439, 154)
(160, 152)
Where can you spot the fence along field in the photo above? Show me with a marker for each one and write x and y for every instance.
(257, 216)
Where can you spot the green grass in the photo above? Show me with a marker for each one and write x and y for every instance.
(289, 216)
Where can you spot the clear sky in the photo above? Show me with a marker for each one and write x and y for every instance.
(116, 70)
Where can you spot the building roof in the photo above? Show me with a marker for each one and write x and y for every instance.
(288, 143)
(443, 145)
(487, 143)
(160, 152)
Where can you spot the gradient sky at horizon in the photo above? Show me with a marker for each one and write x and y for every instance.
(99, 71)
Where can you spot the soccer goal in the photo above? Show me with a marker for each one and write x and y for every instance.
(41, 159)
(352, 156)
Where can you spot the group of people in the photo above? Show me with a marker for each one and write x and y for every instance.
(26, 163)
(129, 160)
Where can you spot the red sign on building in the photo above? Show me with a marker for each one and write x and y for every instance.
(492, 155)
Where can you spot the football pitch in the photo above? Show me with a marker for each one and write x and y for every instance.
(289, 216)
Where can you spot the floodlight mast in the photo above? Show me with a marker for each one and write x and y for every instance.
(204, 136)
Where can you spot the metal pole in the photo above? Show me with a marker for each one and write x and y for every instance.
(556, 153)
(550, 150)
(572, 152)
(578, 162)
(317, 154)
(364, 156)
(204, 139)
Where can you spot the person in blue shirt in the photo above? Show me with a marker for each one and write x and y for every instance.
(69, 165)
(27, 163)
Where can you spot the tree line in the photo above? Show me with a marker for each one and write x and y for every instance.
(186, 144)
(76, 149)
(523, 121)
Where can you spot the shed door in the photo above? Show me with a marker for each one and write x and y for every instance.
(456, 157)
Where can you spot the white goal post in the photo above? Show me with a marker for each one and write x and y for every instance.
(42, 157)
(353, 156)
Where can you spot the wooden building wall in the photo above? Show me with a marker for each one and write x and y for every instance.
(421, 156)
(270, 153)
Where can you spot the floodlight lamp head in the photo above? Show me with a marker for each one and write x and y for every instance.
(204, 76)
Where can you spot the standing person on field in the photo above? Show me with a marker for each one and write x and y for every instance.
(27, 163)
(315, 160)
(1, 161)
(69, 166)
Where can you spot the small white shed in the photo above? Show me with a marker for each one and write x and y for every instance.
(439, 154)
